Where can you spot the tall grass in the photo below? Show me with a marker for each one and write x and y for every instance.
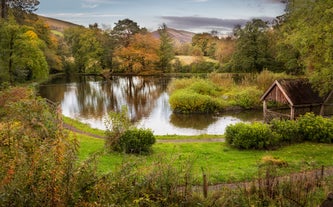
(217, 93)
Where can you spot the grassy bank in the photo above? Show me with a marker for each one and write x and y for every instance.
(219, 161)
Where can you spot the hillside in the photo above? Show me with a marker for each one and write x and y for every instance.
(179, 36)
(58, 25)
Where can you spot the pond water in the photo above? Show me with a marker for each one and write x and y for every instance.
(89, 99)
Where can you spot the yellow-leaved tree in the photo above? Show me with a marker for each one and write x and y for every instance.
(140, 55)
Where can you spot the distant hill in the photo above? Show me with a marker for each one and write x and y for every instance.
(179, 36)
(58, 25)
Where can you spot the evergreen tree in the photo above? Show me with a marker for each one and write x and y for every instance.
(166, 52)
(124, 30)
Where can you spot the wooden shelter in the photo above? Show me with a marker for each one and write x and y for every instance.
(289, 98)
(327, 108)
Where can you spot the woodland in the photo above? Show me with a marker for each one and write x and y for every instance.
(298, 42)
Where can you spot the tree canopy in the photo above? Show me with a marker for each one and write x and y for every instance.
(19, 7)
(251, 53)
(22, 57)
(306, 32)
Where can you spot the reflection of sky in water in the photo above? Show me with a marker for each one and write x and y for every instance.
(93, 103)
(70, 105)
(159, 122)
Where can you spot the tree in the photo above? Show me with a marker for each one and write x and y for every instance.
(206, 42)
(140, 54)
(22, 57)
(108, 45)
(252, 47)
(225, 49)
(307, 30)
(124, 29)
(85, 48)
(19, 6)
(166, 52)
(51, 51)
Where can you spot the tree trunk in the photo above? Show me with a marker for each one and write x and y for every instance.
(3, 9)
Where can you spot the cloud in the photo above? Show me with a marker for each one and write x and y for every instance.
(206, 23)
(100, 1)
(89, 6)
(200, 0)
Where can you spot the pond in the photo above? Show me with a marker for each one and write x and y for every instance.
(89, 99)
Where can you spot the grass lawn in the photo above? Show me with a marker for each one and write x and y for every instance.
(220, 162)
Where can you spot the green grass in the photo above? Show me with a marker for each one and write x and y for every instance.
(83, 127)
(87, 129)
(187, 137)
(60, 34)
(220, 162)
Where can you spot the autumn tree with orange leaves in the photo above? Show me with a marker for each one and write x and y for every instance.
(140, 55)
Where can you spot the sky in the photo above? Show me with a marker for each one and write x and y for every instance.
(191, 15)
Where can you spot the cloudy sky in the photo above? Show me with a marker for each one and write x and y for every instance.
(191, 15)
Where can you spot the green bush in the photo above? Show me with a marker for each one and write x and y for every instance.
(248, 98)
(116, 125)
(315, 128)
(251, 136)
(204, 87)
(195, 96)
(136, 141)
(287, 130)
(186, 101)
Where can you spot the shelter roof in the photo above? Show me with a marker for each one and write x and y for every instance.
(296, 91)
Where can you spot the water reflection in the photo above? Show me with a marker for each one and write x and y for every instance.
(89, 99)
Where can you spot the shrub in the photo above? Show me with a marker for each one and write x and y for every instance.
(287, 130)
(248, 98)
(122, 136)
(183, 83)
(315, 128)
(116, 125)
(186, 101)
(204, 87)
(251, 136)
(136, 141)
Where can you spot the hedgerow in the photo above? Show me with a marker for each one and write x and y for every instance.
(251, 136)
(308, 127)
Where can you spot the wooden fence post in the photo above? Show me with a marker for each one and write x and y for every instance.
(205, 185)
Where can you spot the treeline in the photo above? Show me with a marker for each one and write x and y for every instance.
(298, 42)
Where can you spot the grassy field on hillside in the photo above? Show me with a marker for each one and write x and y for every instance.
(187, 60)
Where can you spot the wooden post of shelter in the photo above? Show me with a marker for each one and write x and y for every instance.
(292, 113)
(264, 106)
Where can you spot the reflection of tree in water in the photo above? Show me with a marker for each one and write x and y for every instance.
(192, 121)
(139, 94)
(248, 115)
(90, 96)
(94, 97)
